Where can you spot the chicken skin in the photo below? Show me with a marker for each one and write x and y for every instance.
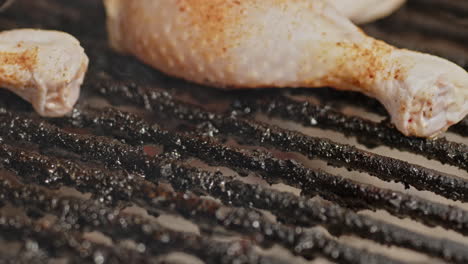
(235, 44)
(46, 68)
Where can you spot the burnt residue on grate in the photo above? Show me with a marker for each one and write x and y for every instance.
(253, 132)
(249, 222)
(351, 194)
(100, 153)
(287, 207)
(152, 239)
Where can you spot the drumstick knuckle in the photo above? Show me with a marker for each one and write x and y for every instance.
(46, 68)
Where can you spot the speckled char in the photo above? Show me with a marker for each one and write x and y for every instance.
(368, 132)
(244, 221)
(33, 233)
(302, 43)
(79, 215)
(46, 68)
(286, 206)
(310, 181)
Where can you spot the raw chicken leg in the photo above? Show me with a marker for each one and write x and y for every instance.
(46, 68)
(289, 43)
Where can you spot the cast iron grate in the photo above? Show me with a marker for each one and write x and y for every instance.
(140, 139)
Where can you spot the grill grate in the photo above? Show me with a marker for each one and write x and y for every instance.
(337, 154)
(127, 144)
(247, 221)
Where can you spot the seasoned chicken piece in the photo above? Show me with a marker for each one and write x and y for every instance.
(288, 43)
(46, 68)
(364, 11)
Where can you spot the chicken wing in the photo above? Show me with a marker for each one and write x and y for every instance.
(289, 43)
(46, 68)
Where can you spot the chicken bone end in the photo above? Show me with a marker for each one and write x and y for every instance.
(45, 68)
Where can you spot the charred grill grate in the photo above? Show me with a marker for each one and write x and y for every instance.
(127, 144)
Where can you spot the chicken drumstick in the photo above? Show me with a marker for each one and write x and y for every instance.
(46, 68)
(289, 43)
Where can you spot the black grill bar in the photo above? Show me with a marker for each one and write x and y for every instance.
(367, 132)
(56, 240)
(137, 131)
(286, 206)
(249, 222)
(108, 187)
(252, 132)
(91, 216)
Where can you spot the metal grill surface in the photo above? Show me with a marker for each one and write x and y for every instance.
(150, 169)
